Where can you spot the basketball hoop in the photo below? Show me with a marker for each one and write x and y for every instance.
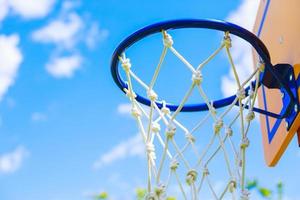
(163, 128)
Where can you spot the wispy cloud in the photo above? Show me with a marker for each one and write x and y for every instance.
(29, 9)
(64, 67)
(129, 148)
(38, 116)
(10, 60)
(126, 188)
(124, 108)
(10, 102)
(243, 16)
(12, 161)
(62, 31)
(94, 35)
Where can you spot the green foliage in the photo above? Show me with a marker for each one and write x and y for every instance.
(265, 192)
(171, 198)
(251, 184)
(101, 196)
(280, 190)
(140, 193)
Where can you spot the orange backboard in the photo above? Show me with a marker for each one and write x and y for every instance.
(278, 26)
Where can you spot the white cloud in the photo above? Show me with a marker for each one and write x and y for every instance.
(28, 9)
(64, 67)
(132, 147)
(31, 8)
(63, 31)
(12, 161)
(10, 60)
(245, 14)
(124, 108)
(241, 51)
(38, 116)
(4, 8)
(69, 5)
(66, 32)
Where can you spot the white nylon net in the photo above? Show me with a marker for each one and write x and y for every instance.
(182, 161)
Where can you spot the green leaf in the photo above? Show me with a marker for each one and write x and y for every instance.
(140, 193)
(251, 184)
(280, 190)
(102, 196)
(280, 186)
(265, 192)
(171, 198)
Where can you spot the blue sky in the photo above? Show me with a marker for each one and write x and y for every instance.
(65, 131)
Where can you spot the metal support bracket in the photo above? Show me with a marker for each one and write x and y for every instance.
(291, 79)
(292, 83)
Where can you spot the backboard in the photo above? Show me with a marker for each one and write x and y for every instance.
(277, 25)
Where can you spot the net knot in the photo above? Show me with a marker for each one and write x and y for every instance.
(190, 137)
(227, 40)
(152, 95)
(135, 111)
(170, 132)
(160, 191)
(167, 39)
(250, 116)
(197, 77)
(150, 196)
(155, 127)
(125, 62)
(229, 131)
(205, 171)
(245, 195)
(241, 94)
(130, 93)
(218, 125)
(165, 110)
(174, 165)
(245, 143)
(150, 150)
(232, 186)
(261, 66)
(191, 176)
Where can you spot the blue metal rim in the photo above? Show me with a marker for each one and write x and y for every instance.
(219, 25)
